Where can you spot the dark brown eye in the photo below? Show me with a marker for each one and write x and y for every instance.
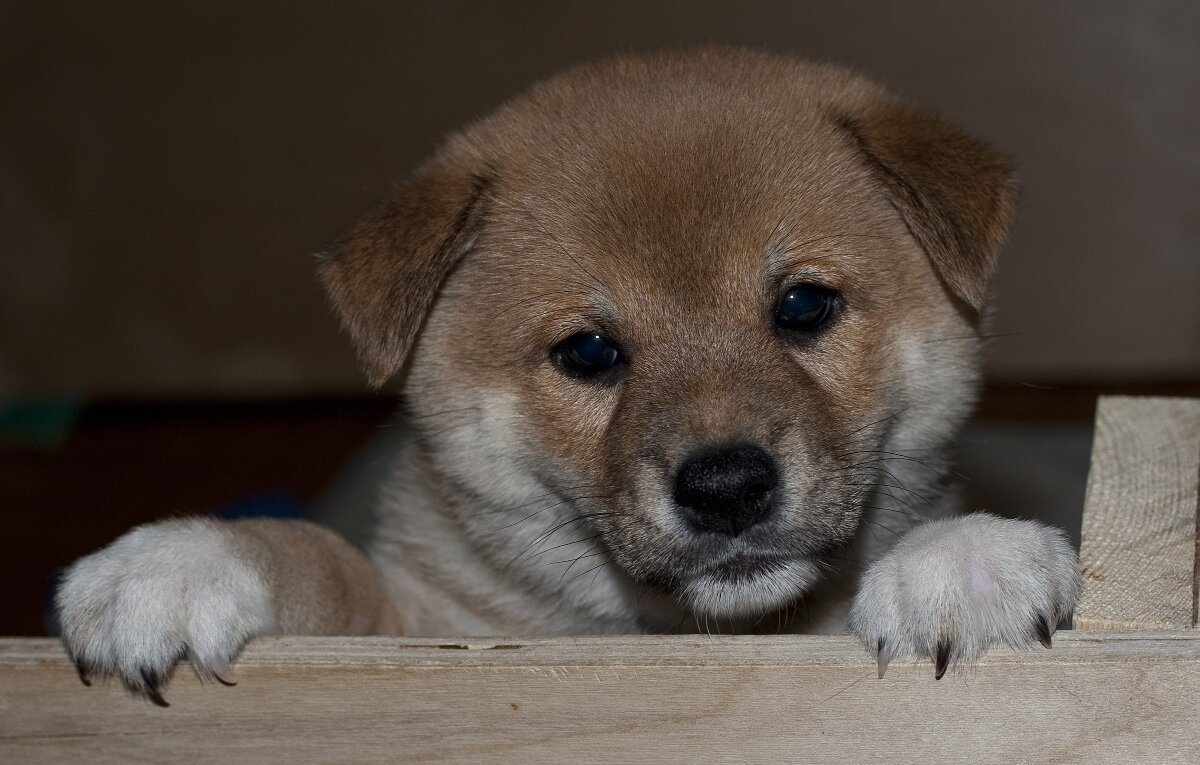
(805, 307)
(586, 355)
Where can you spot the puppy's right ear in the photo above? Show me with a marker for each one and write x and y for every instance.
(385, 273)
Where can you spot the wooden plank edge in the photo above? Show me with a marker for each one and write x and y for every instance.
(835, 651)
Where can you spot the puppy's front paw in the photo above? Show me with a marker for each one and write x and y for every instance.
(951, 588)
(158, 594)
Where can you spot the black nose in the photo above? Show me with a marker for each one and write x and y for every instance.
(726, 491)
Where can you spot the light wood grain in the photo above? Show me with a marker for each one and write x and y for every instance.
(1096, 697)
(1138, 549)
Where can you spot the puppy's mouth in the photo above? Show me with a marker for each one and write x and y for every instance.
(748, 584)
(744, 568)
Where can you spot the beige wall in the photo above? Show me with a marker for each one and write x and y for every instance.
(168, 169)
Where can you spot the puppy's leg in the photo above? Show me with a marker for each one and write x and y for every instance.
(951, 588)
(200, 588)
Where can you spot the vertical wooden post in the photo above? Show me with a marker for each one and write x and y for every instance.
(1139, 546)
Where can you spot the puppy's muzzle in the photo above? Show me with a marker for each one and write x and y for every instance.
(727, 491)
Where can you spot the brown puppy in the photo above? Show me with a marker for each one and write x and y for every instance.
(684, 338)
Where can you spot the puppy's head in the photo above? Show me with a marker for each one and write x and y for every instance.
(675, 312)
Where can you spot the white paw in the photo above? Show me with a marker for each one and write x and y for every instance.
(158, 594)
(951, 588)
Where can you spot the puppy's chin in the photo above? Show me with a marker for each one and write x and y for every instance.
(748, 586)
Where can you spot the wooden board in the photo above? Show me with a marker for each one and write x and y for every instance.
(1096, 697)
(1139, 541)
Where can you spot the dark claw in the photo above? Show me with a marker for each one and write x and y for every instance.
(151, 687)
(154, 695)
(83, 675)
(942, 659)
(1041, 629)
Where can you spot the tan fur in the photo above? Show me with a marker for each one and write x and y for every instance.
(669, 194)
(666, 201)
(306, 566)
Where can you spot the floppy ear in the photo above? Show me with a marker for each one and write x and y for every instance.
(384, 275)
(955, 193)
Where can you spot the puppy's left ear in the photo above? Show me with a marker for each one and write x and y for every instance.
(955, 193)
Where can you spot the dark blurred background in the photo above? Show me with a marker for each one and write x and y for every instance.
(167, 172)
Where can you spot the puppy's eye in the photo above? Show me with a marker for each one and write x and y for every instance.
(586, 355)
(805, 307)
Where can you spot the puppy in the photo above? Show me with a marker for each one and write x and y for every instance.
(683, 338)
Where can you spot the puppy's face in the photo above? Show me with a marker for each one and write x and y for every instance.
(679, 316)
